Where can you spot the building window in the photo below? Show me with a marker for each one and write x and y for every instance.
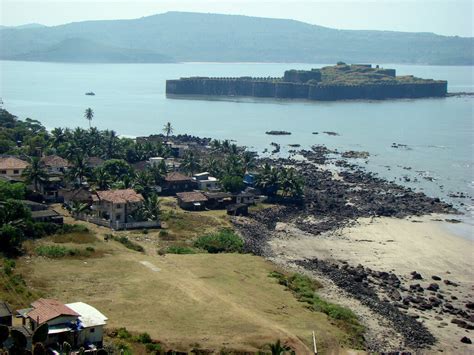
(3, 172)
(16, 172)
(119, 206)
(92, 330)
(117, 217)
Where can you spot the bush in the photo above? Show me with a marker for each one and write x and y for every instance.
(224, 241)
(153, 348)
(127, 243)
(123, 333)
(56, 252)
(144, 338)
(180, 250)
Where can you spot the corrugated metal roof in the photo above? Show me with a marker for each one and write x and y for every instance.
(89, 316)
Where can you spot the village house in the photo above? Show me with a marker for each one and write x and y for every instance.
(238, 209)
(12, 167)
(78, 195)
(193, 200)
(218, 200)
(55, 165)
(115, 209)
(205, 181)
(176, 182)
(244, 198)
(6, 315)
(50, 187)
(177, 150)
(79, 324)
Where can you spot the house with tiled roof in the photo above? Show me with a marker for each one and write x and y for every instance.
(176, 182)
(54, 164)
(78, 323)
(12, 167)
(193, 200)
(117, 209)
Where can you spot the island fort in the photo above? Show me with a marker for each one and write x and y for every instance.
(338, 82)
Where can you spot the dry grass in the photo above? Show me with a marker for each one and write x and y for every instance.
(217, 301)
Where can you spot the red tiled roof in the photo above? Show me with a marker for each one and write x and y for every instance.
(175, 176)
(55, 161)
(189, 197)
(12, 163)
(47, 309)
(118, 196)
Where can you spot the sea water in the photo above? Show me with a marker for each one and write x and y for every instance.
(437, 133)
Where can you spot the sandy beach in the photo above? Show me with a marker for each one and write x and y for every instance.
(423, 244)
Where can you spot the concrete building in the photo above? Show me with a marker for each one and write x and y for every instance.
(205, 181)
(79, 324)
(12, 167)
(55, 165)
(116, 206)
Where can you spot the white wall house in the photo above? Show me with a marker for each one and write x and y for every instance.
(205, 181)
(91, 324)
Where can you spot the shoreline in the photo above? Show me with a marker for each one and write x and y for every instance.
(395, 246)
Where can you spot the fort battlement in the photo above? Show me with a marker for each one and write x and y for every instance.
(339, 82)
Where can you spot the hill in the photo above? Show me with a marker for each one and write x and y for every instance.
(228, 38)
(82, 51)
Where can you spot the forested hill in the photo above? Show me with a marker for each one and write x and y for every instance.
(178, 36)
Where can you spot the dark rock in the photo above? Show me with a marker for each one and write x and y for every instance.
(451, 283)
(466, 340)
(433, 287)
(416, 276)
(436, 278)
(470, 305)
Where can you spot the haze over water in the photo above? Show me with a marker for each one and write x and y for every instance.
(130, 99)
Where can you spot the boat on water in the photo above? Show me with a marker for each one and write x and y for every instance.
(90, 93)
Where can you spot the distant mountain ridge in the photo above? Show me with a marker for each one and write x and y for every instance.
(182, 36)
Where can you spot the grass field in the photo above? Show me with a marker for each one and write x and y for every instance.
(207, 301)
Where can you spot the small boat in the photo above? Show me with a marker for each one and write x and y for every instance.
(90, 93)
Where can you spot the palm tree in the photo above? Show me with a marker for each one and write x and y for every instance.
(151, 208)
(233, 165)
(291, 184)
(158, 172)
(36, 172)
(248, 160)
(190, 163)
(89, 114)
(143, 183)
(101, 179)
(78, 207)
(80, 169)
(58, 137)
(168, 130)
(213, 166)
(278, 348)
(268, 179)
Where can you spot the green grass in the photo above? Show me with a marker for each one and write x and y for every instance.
(127, 243)
(177, 249)
(304, 289)
(56, 251)
(224, 241)
(75, 237)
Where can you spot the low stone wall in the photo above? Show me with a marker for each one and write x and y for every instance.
(117, 225)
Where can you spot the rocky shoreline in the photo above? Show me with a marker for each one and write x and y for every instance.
(336, 199)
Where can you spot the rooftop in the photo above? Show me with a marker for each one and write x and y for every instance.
(55, 161)
(118, 196)
(89, 316)
(190, 197)
(12, 163)
(5, 310)
(46, 309)
(175, 176)
(44, 213)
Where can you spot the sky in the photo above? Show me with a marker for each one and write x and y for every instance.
(446, 17)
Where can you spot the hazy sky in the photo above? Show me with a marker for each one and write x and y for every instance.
(448, 17)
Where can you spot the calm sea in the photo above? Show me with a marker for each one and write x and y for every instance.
(130, 99)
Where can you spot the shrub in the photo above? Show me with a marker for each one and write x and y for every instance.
(224, 241)
(180, 250)
(56, 251)
(152, 347)
(233, 183)
(144, 338)
(127, 243)
(123, 333)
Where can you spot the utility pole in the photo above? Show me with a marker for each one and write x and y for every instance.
(315, 348)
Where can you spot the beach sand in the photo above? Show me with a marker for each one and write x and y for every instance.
(423, 244)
